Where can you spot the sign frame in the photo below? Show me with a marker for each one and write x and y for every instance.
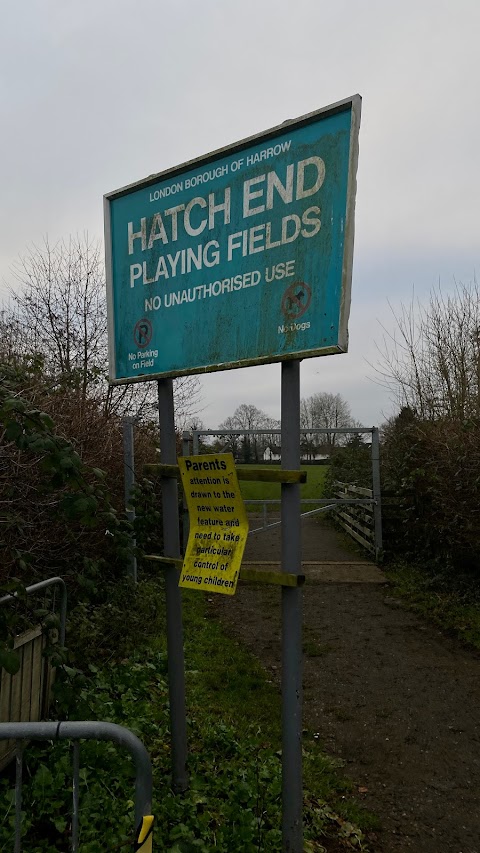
(352, 104)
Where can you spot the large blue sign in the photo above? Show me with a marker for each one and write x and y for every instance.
(241, 257)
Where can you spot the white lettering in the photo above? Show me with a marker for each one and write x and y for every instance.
(248, 196)
(311, 221)
(216, 208)
(286, 237)
(211, 258)
(198, 200)
(173, 212)
(157, 231)
(137, 235)
(135, 272)
(234, 242)
(319, 165)
(285, 192)
(266, 153)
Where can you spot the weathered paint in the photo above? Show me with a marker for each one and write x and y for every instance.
(243, 257)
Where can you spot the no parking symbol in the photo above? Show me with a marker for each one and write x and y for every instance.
(142, 333)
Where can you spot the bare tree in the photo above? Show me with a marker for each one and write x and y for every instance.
(229, 443)
(195, 424)
(324, 411)
(58, 315)
(205, 442)
(431, 362)
(60, 310)
(248, 417)
(187, 400)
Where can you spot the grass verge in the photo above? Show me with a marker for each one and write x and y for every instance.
(451, 602)
(310, 490)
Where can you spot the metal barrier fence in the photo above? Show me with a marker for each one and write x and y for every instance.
(76, 731)
(327, 504)
(37, 587)
(371, 539)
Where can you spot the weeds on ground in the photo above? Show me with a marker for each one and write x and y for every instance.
(233, 717)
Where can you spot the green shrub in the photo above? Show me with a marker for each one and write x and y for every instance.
(351, 463)
(432, 468)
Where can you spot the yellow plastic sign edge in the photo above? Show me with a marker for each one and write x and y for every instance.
(144, 842)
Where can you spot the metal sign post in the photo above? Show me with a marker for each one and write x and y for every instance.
(129, 474)
(237, 258)
(171, 548)
(292, 789)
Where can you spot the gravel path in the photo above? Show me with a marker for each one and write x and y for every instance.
(389, 694)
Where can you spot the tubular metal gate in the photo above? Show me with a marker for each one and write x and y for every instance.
(375, 502)
(76, 731)
(37, 587)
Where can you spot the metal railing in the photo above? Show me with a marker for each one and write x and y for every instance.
(194, 436)
(37, 587)
(327, 504)
(86, 730)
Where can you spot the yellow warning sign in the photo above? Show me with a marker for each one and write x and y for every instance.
(218, 523)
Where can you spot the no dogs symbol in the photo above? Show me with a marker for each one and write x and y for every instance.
(142, 333)
(296, 300)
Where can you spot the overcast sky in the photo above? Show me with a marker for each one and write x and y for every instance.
(100, 93)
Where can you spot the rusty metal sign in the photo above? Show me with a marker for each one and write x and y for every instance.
(240, 257)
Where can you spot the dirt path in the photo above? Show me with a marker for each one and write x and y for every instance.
(392, 696)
